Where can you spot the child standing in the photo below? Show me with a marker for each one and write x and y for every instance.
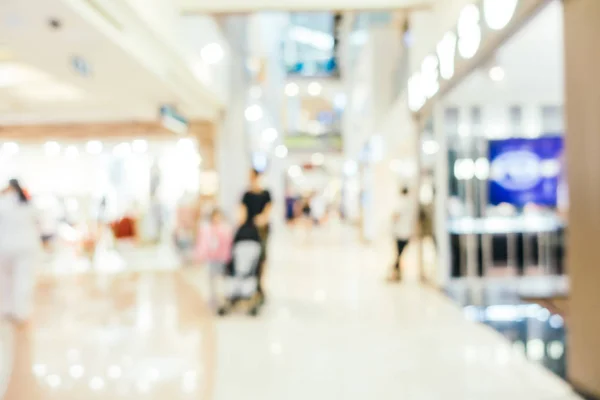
(214, 247)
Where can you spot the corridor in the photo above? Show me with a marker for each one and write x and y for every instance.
(331, 330)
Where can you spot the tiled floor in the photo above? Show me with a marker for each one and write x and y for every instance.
(331, 330)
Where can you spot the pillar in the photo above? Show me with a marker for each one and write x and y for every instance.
(582, 57)
(232, 142)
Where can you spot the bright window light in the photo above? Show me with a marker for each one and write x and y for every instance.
(320, 40)
(292, 89)
(446, 51)
(469, 31)
(97, 383)
(76, 371)
(430, 75)
(255, 92)
(281, 151)
(10, 148)
(54, 381)
(314, 89)
(416, 94)
(52, 148)
(122, 150)
(48, 91)
(269, 135)
(212, 53)
(254, 113)
(497, 73)
(317, 159)
(295, 171)
(139, 146)
(186, 144)
(498, 13)
(115, 372)
(71, 152)
(350, 167)
(482, 169)
(94, 147)
(430, 147)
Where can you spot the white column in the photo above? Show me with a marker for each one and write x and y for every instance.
(441, 198)
(232, 142)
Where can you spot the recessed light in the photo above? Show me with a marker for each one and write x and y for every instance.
(497, 73)
(292, 89)
(315, 88)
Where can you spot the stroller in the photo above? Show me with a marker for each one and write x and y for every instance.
(241, 283)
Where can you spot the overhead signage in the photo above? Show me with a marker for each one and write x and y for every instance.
(173, 121)
(476, 24)
(525, 171)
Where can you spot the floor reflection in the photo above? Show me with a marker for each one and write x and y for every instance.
(532, 329)
(144, 336)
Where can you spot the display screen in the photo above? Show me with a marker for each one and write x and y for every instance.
(525, 171)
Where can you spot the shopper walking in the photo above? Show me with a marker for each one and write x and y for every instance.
(255, 213)
(403, 229)
(20, 246)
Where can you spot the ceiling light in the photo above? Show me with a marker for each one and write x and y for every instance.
(292, 89)
(469, 31)
(269, 135)
(94, 147)
(52, 148)
(186, 144)
(281, 151)
(350, 167)
(54, 381)
(10, 148)
(97, 383)
(48, 91)
(498, 13)
(276, 348)
(122, 149)
(71, 152)
(482, 168)
(396, 165)
(12, 74)
(497, 73)
(255, 92)
(39, 370)
(253, 113)
(212, 53)
(295, 171)
(314, 88)
(317, 159)
(340, 100)
(139, 146)
(318, 39)
(76, 371)
(430, 147)
(446, 52)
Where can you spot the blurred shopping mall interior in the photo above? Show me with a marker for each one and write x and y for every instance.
(219, 193)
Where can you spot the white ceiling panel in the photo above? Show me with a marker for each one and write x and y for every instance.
(229, 6)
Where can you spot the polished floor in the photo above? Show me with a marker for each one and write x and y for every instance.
(331, 330)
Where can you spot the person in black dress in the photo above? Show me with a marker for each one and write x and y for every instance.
(255, 211)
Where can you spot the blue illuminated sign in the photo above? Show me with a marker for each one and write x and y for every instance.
(525, 171)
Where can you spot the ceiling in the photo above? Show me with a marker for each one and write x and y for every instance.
(533, 64)
(228, 6)
(73, 61)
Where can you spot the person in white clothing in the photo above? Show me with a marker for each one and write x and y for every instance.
(20, 246)
(403, 229)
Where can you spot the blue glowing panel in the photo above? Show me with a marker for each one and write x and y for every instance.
(525, 171)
